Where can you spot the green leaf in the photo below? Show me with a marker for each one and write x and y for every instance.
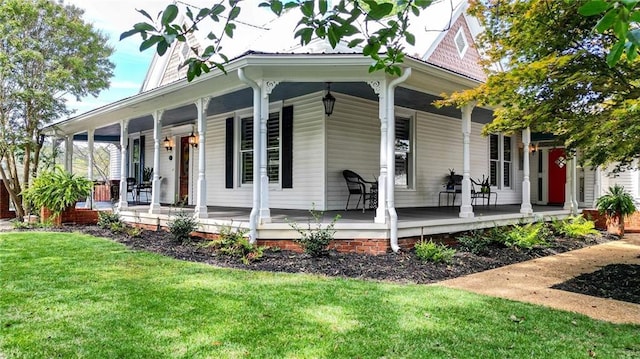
(150, 42)
(307, 8)
(323, 6)
(126, 34)
(234, 13)
(162, 48)
(423, 4)
(305, 35)
(606, 21)
(276, 7)
(634, 16)
(616, 52)
(143, 26)
(217, 9)
(228, 30)
(355, 42)
(170, 13)
(379, 11)
(348, 30)
(144, 13)
(593, 7)
(333, 36)
(411, 40)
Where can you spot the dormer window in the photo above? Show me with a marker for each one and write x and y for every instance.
(461, 42)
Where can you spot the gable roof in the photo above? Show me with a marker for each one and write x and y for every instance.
(268, 34)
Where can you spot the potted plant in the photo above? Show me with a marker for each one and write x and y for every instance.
(147, 174)
(57, 190)
(616, 204)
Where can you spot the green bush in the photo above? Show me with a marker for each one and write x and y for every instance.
(233, 242)
(314, 241)
(434, 252)
(107, 218)
(57, 190)
(182, 225)
(527, 236)
(574, 227)
(475, 242)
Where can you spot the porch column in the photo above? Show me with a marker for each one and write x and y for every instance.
(265, 212)
(154, 207)
(525, 207)
(201, 196)
(124, 132)
(574, 183)
(381, 211)
(597, 187)
(90, 133)
(68, 153)
(568, 186)
(466, 209)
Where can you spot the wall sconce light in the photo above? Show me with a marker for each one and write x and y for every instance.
(168, 144)
(193, 139)
(533, 147)
(328, 100)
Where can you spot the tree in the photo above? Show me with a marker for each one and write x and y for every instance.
(556, 79)
(47, 52)
(381, 25)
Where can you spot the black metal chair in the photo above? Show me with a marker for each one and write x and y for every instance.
(484, 193)
(358, 186)
(131, 188)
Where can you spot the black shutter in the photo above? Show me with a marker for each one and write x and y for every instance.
(141, 173)
(228, 154)
(287, 147)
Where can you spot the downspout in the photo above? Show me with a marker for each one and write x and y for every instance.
(253, 217)
(391, 159)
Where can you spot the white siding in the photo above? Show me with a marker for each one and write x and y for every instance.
(114, 162)
(308, 161)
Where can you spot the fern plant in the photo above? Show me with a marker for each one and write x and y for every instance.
(434, 252)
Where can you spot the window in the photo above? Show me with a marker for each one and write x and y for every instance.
(404, 153)
(500, 161)
(273, 148)
(461, 42)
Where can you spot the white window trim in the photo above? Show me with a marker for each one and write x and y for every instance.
(501, 161)
(461, 34)
(238, 116)
(412, 134)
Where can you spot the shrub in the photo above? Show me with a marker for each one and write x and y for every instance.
(233, 242)
(182, 225)
(133, 232)
(434, 252)
(107, 218)
(475, 242)
(314, 241)
(57, 190)
(575, 227)
(527, 236)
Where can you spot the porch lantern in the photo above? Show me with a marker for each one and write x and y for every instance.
(167, 144)
(193, 140)
(328, 100)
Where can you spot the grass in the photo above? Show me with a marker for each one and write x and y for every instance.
(72, 295)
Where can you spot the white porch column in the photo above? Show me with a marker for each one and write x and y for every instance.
(201, 196)
(253, 216)
(265, 212)
(68, 153)
(574, 184)
(90, 149)
(466, 209)
(568, 186)
(154, 207)
(381, 212)
(525, 207)
(597, 187)
(124, 133)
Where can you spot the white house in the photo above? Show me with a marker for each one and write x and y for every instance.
(263, 148)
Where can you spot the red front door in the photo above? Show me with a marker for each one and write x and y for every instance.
(557, 175)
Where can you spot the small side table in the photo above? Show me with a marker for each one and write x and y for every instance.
(373, 196)
(449, 194)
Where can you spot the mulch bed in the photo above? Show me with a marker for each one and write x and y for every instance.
(616, 281)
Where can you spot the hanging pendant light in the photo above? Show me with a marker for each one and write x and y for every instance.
(329, 101)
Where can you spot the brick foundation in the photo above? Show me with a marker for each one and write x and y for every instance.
(71, 215)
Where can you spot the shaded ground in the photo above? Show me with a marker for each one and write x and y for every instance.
(616, 281)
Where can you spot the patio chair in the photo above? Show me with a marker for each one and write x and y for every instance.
(358, 186)
(131, 187)
(484, 193)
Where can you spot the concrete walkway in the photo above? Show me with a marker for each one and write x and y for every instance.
(531, 281)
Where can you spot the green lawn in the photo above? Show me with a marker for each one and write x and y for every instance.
(70, 295)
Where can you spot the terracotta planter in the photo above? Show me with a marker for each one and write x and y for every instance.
(615, 225)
